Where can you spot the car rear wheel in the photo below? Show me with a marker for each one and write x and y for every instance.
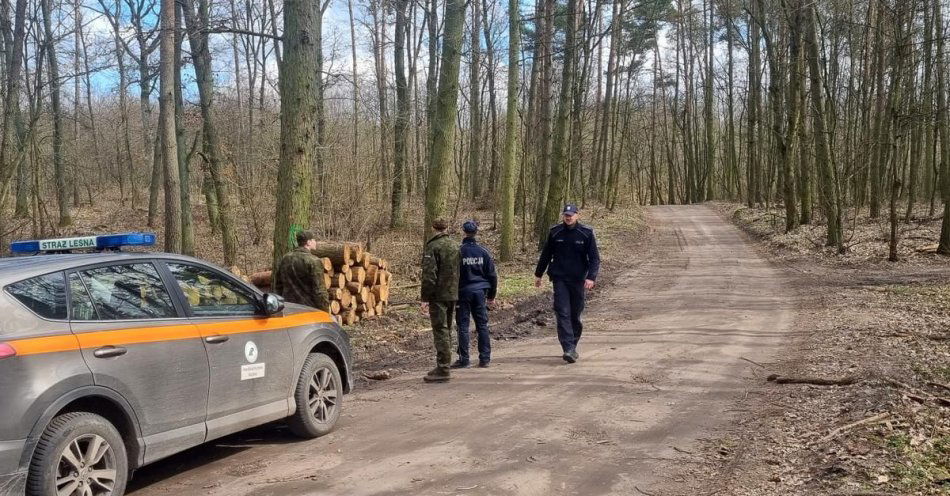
(319, 397)
(79, 454)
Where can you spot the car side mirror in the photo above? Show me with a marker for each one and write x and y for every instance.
(271, 304)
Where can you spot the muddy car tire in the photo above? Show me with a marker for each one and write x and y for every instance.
(79, 451)
(319, 397)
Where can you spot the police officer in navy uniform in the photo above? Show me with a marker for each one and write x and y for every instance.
(572, 261)
(478, 284)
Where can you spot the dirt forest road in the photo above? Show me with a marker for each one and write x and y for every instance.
(661, 363)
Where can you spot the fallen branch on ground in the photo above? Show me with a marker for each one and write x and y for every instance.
(841, 430)
(753, 362)
(641, 491)
(938, 385)
(918, 395)
(816, 381)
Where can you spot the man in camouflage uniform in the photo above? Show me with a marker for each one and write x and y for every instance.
(440, 289)
(299, 275)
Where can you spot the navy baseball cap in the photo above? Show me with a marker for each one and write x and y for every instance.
(570, 209)
(470, 226)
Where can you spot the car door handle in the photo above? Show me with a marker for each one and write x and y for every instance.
(216, 339)
(109, 352)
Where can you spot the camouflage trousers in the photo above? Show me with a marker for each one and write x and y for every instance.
(440, 314)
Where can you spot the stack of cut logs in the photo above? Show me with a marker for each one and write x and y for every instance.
(357, 281)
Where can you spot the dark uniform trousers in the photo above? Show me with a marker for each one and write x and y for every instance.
(568, 306)
(440, 314)
(472, 305)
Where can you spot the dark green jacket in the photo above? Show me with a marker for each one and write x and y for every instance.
(440, 269)
(299, 279)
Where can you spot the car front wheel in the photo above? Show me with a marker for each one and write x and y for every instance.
(79, 454)
(319, 397)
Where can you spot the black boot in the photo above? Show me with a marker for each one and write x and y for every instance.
(437, 375)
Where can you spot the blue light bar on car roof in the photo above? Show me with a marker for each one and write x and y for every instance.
(105, 242)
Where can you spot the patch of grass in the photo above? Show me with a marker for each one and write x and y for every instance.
(942, 373)
(902, 290)
(516, 286)
(614, 228)
(923, 466)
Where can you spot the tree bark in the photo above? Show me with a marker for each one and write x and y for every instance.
(167, 84)
(298, 114)
(545, 83)
(560, 157)
(708, 100)
(446, 105)
(943, 124)
(196, 22)
(475, 110)
(397, 217)
(753, 180)
(59, 168)
(184, 174)
(512, 129)
(828, 181)
(8, 154)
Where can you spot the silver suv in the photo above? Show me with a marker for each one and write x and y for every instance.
(111, 361)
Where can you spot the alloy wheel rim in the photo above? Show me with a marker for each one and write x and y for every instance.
(322, 395)
(86, 467)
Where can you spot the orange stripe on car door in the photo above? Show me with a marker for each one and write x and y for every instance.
(120, 337)
(48, 344)
(263, 324)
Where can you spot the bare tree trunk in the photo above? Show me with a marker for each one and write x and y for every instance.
(8, 152)
(319, 88)
(733, 187)
(23, 185)
(881, 130)
(184, 174)
(600, 162)
(197, 23)
(77, 171)
(298, 74)
(432, 74)
(167, 84)
(443, 126)
(93, 128)
(560, 158)
(511, 134)
(356, 83)
(943, 124)
(546, 59)
(755, 99)
(59, 168)
(896, 126)
(828, 181)
(475, 110)
(397, 218)
(782, 134)
(379, 50)
(708, 100)
(494, 168)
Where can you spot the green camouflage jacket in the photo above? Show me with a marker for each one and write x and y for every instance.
(440, 269)
(299, 279)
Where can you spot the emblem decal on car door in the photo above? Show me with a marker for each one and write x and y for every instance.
(252, 370)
